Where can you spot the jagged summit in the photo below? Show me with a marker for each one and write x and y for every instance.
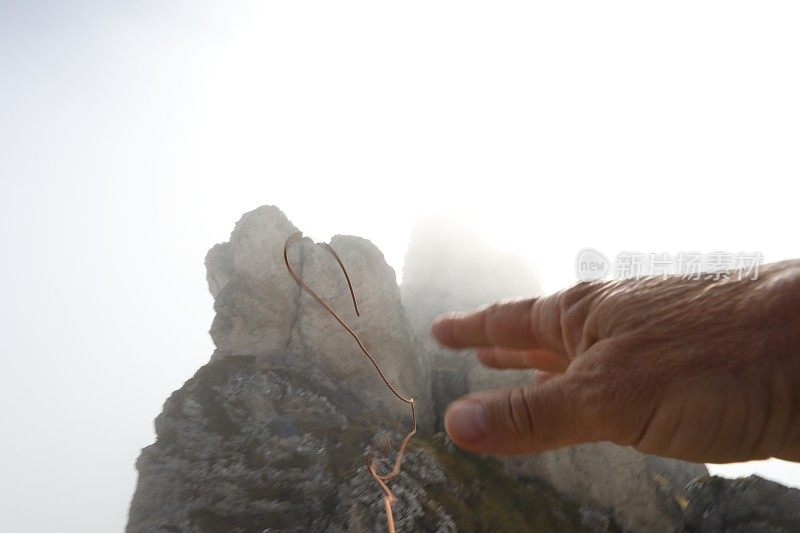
(261, 311)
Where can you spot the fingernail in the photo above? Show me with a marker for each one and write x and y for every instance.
(466, 421)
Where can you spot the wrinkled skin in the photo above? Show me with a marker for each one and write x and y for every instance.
(700, 370)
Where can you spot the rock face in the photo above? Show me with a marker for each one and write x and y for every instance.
(243, 447)
(262, 312)
(639, 490)
(271, 435)
(714, 504)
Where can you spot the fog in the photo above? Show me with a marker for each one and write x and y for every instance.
(133, 137)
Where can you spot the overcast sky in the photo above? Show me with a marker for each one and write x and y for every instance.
(132, 137)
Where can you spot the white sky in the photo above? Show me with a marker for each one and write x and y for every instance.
(132, 137)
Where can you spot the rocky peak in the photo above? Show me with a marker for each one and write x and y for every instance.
(262, 312)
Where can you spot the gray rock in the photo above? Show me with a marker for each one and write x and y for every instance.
(253, 296)
(262, 312)
(751, 504)
(246, 448)
(639, 490)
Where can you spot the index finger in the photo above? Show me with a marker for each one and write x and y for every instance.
(528, 323)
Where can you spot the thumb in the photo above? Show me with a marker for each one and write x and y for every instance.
(526, 419)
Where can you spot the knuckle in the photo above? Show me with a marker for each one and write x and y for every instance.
(582, 291)
(490, 322)
(545, 414)
(518, 414)
(574, 306)
(501, 319)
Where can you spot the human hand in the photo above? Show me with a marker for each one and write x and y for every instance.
(700, 370)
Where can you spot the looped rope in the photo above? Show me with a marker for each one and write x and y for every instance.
(389, 498)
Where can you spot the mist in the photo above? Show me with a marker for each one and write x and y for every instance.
(133, 137)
